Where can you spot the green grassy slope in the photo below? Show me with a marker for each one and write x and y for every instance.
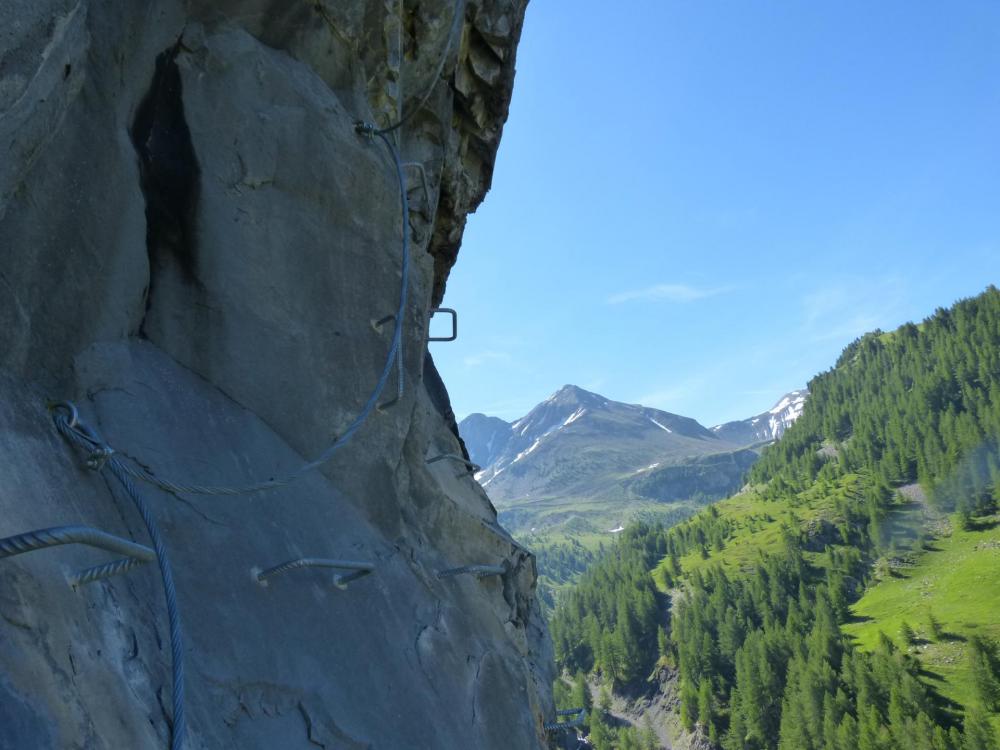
(933, 568)
(955, 577)
(754, 528)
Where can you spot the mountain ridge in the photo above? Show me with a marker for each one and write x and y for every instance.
(767, 426)
(580, 456)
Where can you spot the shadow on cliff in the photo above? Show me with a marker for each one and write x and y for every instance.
(170, 177)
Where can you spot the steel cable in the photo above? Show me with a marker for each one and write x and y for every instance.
(457, 16)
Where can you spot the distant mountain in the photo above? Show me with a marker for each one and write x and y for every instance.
(768, 426)
(581, 459)
(485, 437)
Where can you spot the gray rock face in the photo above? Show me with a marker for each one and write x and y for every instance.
(194, 243)
(485, 437)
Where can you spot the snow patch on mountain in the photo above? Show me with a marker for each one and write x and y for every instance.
(768, 426)
(662, 427)
(522, 454)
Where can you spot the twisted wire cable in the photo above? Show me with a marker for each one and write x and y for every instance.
(103, 458)
(457, 15)
(472, 467)
(107, 570)
(479, 571)
(71, 426)
(58, 535)
(578, 716)
(115, 466)
(364, 568)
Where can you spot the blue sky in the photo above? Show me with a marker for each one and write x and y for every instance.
(697, 205)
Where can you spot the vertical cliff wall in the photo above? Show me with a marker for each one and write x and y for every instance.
(194, 244)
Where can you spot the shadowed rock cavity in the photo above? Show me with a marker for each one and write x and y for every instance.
(169, 173)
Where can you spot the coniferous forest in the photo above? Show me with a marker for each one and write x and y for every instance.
(751, 607)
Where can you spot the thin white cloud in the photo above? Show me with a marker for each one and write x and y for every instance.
(485, 357)
(675, 396)
(847, 309)
(668, 292)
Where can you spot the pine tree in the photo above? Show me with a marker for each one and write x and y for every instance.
(604, 700)
(689, 705)
(979, 734)
(870, 730)
(579, 696)
(647, 737)
(706, 707)
(628, 739)
(847, 734)
(736, 736)
(933, 627)
(983, 665)
(600, 736)
(906, 633)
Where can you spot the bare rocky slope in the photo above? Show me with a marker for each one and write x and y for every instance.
(195, 241)
(581, 461)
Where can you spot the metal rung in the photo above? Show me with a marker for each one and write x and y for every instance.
(377, 324)
(135, 554)
(501, 533)
(388, 404)
(578, 715)
(100, 572)
(473, 468)
(341, 581)
(261, 576)
(479, 571)
(454, 324)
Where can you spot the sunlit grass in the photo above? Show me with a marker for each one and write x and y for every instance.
(957, 578)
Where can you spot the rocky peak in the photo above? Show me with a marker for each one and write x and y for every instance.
(485, 437)
(574, 394)
(767, 426)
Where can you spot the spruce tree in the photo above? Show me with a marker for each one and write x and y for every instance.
(979, 734)
(906, 633)
(706, 707)
(689, 705)
(600, 735)
(933, 627)
(983, 665)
